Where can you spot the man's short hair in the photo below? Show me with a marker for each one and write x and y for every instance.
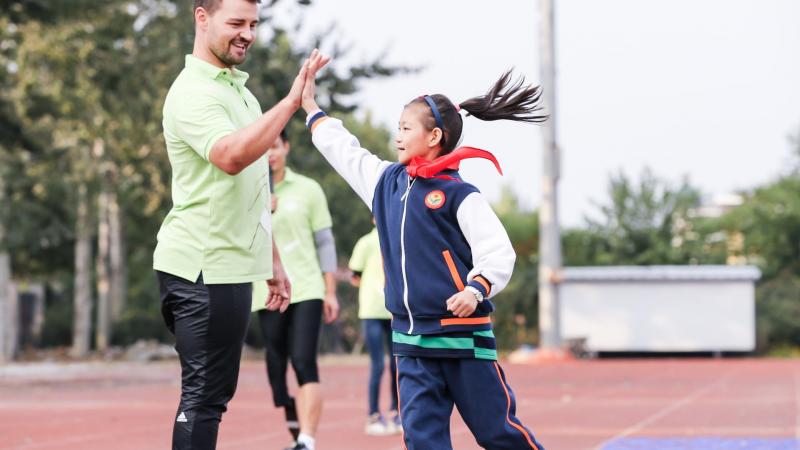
(212, 5)
(284, 136)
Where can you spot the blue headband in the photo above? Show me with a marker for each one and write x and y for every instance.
(436, 115)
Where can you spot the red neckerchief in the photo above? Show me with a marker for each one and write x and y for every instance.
(421, 167)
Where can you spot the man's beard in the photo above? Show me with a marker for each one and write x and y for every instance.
(227, 57)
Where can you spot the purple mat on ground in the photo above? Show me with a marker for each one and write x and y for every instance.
(705, 443)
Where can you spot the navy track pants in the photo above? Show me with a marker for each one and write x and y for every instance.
(430, 387)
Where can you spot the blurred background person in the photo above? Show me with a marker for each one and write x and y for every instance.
(302, 228)
(367, 266)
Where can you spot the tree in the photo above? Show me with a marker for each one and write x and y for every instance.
(769, 220)
(517, 315)
(57, 67)
(87, 94)
(645, 222)
(15, 147)
(8, 329)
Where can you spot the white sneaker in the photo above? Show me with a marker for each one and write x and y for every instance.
(376, 426)
(394, 425)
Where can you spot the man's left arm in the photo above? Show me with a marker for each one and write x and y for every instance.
(326, 252)
(280, 289)
(321, 222)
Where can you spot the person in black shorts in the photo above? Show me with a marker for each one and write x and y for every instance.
(301, 224)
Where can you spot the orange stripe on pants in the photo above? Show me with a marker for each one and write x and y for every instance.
(508, 409)
(399, 408)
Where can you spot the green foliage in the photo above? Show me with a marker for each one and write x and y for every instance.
(770, 222)
(517, 315)
(78, 72)
(647, 221)
(58, 318)
(777, 310)
(644, 223)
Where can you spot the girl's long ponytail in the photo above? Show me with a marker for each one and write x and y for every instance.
(507, 100)
(504, 101)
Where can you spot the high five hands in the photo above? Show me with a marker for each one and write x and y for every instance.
(315, 62)
(304, 86)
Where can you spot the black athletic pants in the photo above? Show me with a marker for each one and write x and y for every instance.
(293, 335)
(209, 323)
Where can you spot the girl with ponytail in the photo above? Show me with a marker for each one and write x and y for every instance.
(445, 254)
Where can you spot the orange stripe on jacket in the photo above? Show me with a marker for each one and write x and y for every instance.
(466, 321)
(508, 409)
(319, 121)
(484, 283)
(453, 271)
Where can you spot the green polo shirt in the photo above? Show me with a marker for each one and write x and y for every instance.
(302, 211)
(367, 259)
(215, 225)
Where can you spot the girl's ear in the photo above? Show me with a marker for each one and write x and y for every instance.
(435, 137)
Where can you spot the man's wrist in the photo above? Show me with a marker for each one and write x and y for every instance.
(291, 103)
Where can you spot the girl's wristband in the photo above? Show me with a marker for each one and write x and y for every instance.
(314, 119)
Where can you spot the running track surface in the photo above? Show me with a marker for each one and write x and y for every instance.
(649, 404)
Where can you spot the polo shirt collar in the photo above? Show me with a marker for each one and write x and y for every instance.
(211, 71)
(289, 175)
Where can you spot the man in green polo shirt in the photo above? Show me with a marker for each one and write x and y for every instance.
(216, 240)
(302, 227)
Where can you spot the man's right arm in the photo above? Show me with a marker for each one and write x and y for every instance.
(234, 152)
(237, 150)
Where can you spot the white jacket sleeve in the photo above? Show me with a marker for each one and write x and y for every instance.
(492, 254)
(360, 168)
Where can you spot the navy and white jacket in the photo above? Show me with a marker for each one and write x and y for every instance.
(436, 235)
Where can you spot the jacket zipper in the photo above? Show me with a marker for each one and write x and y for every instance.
(404, 199)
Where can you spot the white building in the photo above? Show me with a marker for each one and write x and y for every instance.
(660, 308)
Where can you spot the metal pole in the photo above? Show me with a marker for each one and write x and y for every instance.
(549, 235)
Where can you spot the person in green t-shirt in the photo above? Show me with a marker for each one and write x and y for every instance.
(367, 266)
(302, 229)
(216, 241)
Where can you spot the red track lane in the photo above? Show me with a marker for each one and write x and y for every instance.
(569, 406)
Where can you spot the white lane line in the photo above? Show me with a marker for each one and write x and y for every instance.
(663, 412)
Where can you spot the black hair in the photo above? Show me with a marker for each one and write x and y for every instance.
(284, 136)
(506, 100)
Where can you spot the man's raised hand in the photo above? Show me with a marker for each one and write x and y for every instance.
(296, 91)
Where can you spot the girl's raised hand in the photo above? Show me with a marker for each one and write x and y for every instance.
(315, 62)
